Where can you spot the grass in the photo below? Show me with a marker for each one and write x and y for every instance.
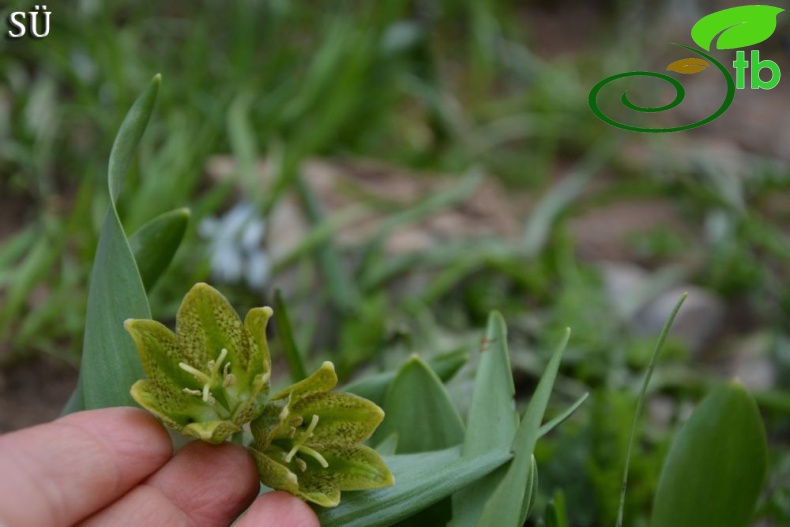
(457, 87)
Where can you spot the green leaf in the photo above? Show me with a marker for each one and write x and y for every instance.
(508, 505)
(155, 243)
(492, 421)
(420, 411)
(109, 358)
(374, 387)
(716, 466)
(739, 27)
(420, 480)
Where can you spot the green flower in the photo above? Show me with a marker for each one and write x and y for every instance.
(212, 376)
(308, 441)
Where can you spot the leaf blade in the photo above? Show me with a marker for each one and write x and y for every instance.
(713, 475)
(109, 358)
(492, 420)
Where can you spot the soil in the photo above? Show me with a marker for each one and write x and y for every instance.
(34, 391)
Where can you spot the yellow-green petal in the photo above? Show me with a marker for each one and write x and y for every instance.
(322, 380)
(255, 323)
(274, 474)
(355, 468)
(205, 324)
(159, 352)
(175, 408)
(343, 419)
(211, 431)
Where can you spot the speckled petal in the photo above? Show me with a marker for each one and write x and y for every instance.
(323, 380)
(205, 324)
(344, 419)
(159, 352)
(172, 406)
(255, 323)
(355, 468)
(273, 474)
(211, 431)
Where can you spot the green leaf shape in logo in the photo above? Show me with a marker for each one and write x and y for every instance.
(739, 26)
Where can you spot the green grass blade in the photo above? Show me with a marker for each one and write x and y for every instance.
(342, 289)
(492, 420)
(507, 504)
(109, 358)
(155, 243)
(551, 206)
(420, 480)
(286, 337)
(640, 403)
(715, 469)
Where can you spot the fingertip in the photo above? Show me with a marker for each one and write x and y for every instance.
(281, 509)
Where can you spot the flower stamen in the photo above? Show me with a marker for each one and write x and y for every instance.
(301, 447)
(208, 380)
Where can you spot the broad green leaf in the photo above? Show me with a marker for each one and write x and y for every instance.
(715, 468)
(109, 358)
(739, 27)
(374, 387)
(420, 480)
(155, 243)
(492, 420)
(509, 503)
(420, 411)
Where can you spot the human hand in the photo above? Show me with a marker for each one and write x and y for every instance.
(116, 467)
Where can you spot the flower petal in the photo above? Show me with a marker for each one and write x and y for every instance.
(319, 488)
(255, 323)
(343, 419)
(159, 352)
(211, 431)
(322, 380)
(274, 474)
(173, 407)
(205, 324)
(355, 468)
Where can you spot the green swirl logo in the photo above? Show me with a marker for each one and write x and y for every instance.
(736, 27)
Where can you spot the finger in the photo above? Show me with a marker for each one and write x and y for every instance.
(279, 509)
(203, 485)
(59, 473)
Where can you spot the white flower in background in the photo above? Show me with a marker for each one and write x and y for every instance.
(236, 246)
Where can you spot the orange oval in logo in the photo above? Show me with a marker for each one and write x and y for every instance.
(688, 66)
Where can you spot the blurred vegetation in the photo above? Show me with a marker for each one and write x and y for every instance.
(452, 86)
